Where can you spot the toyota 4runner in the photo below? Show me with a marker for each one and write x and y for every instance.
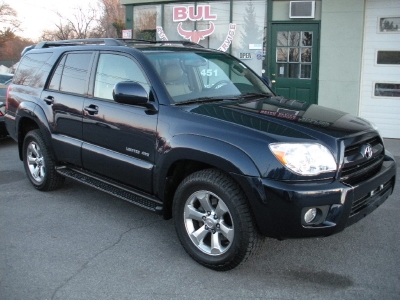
(194, 134)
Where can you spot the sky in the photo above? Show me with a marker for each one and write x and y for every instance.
(39, 15)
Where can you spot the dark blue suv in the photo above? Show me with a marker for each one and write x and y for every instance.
(196, 135)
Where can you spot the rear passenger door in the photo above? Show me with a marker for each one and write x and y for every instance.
(119, 139)
(65, 95)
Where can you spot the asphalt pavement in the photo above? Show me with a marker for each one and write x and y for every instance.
(80, 243)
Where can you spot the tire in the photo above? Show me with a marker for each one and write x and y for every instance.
(38, 164)
(213, 221)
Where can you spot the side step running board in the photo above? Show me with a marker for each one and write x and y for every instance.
(113, 188)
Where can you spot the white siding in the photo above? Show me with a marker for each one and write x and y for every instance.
(383, 111)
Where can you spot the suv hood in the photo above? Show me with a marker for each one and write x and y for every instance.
(302, 118)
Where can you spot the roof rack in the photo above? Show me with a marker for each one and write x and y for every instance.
(183, 43)
(111, 42)
(77, 42)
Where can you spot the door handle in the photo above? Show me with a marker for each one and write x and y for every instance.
(92, 109)
(273, 81)
(49, 100)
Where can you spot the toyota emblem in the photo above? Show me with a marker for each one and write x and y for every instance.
(367, 151)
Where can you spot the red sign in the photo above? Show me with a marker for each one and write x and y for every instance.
(203, 12)
(195, 35)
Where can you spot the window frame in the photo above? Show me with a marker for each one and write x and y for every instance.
(384, 65)
(378, 29)
(374, 83)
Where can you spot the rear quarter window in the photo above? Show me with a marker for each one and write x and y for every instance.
(33, 70)
(71, 73)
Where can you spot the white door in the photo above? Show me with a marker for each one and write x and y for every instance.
(380, 79)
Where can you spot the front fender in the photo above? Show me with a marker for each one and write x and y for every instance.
(213, 152)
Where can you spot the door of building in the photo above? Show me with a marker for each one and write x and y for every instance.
(294, 61)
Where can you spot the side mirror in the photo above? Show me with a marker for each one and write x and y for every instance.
(129, 92)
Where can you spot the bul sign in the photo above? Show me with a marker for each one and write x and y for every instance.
(201, 12)
(183, 13)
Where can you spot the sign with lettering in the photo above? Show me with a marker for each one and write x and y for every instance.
(245, 56)
(183, 13)
(127, 33)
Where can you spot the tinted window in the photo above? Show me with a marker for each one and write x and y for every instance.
(33, 70)
(56, 79)
(74, 73)
(113, 68)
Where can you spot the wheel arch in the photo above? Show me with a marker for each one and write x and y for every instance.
(31, 117)
(191, 153)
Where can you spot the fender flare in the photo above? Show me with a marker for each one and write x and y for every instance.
(30, 110)
(213, 152)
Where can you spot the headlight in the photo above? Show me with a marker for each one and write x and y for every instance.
(304, 159)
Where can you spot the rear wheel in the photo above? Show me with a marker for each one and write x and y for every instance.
(213, 221)
(39, 166)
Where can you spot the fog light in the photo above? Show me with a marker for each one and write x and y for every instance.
(310, 215)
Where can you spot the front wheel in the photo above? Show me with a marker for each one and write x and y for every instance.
(39, 166)
(213, 221)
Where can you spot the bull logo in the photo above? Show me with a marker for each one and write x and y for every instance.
(195, 36)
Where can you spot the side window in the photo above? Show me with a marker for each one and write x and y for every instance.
(56, 79)
(71, 74)
(33, 70)
(114, 68)
(75, 73)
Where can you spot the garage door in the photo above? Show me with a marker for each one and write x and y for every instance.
(380, 81)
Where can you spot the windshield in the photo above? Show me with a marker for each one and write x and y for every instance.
(192, 76)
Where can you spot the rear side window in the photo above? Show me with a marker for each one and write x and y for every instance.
(33, 70)
(71, 74)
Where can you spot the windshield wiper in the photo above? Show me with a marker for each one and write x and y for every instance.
(255, 95)
(204, 99)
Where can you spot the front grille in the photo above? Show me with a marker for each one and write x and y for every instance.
(357, 167)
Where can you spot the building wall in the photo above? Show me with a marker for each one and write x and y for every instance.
(341, 45)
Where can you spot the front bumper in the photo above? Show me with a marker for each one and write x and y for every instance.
(279, 207)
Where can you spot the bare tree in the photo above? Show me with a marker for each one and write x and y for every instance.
(83, 24)
(9, 21)
(107, 20)
(112, 18)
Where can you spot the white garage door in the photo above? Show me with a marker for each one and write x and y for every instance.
(380, 81)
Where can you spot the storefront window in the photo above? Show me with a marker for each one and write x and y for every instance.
(249, 43)
(211, 24)
(146, 19)
(205, 23)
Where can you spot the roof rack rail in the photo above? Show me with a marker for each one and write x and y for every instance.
(183, 43)
(77, 42)
(111, 42)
